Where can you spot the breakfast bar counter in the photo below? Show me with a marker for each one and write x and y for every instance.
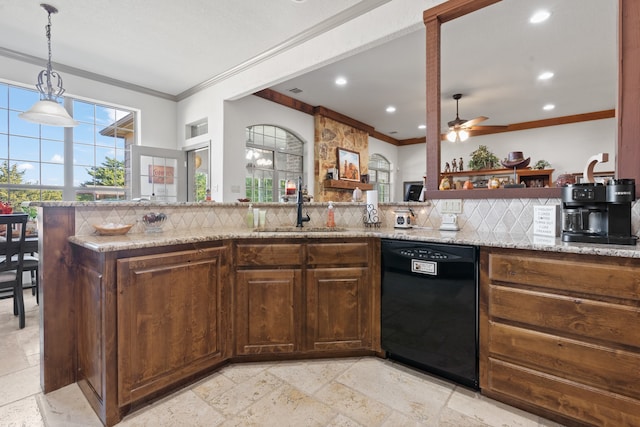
(462, 237)
(127, 297)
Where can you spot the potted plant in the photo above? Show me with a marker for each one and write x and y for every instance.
(32, 221)
(541, 164)
(482, 158)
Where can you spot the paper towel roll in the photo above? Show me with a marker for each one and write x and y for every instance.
(372, 206)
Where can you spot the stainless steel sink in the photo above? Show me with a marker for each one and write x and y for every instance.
(291, 229)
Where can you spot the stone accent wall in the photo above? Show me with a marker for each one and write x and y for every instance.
(329, 136)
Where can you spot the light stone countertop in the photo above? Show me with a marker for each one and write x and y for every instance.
(490, 239)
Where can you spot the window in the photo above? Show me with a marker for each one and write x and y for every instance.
(201, 127)
(380, 176)
(35, 159)
(274, 156)
(99, 146)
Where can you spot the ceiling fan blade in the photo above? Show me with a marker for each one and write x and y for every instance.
(456, 123)
(473, 122)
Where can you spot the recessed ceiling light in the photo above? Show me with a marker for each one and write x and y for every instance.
(422, 126)
(391, 109)
(539, 16)
(341, 81)
(548, 107)
(298, 1)
(545, 76)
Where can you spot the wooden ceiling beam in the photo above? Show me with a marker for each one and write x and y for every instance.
(554, 121)
(287, 101)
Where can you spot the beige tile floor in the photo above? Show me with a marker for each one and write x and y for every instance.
(338, 392)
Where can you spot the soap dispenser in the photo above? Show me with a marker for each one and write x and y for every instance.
(249, 216)
(331, 218)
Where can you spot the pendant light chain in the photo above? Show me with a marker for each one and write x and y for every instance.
(44, 85)
(48, 111)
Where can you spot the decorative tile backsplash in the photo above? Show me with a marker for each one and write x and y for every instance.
(497, 215)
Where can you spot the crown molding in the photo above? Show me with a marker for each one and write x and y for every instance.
(328, 24)
(65, 69)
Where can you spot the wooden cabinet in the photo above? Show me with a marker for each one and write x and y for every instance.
(558, 335)
(148, 320)
(170, 323)
(266, 312)
(306, 297)
(151, 319)
(338, 299)
(337, 308)
(268, 296)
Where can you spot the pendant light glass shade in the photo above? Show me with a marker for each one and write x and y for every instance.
(48, 111)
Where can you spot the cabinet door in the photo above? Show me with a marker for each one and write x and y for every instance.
(338, 308)
(267, 311)
(170, 322)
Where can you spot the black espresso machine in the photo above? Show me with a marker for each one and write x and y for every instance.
(598, 213)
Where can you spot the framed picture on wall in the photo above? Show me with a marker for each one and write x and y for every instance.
(348, 164)
(160, 174)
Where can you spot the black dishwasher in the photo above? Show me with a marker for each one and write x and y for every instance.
(430, 307)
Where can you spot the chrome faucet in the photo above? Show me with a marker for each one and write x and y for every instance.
(300, 219)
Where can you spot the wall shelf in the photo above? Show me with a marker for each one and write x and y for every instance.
(336, 184)
(531, 177)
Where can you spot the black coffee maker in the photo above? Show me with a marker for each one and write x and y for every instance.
(598, 213)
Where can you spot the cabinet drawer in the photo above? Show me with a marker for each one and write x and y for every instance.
(275, 254)
(571, 399)
(337, 253)
(582, 317)
(595, 365)
(593, 275)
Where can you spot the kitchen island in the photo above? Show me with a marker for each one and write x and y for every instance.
(155, 293)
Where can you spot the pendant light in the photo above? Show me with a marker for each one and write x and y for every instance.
(48, 111)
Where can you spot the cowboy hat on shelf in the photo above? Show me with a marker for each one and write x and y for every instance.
(515, 159)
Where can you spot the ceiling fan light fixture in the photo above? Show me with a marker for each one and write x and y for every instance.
(457, 135)
(48, 111)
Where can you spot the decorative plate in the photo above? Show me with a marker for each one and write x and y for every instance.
(112, 229)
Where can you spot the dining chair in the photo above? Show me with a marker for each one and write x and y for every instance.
(12, 253)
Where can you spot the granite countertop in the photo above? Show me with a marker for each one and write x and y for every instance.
(490, 239)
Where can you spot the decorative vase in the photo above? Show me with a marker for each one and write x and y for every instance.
(493, 183)
(445, 184)
(357, 194)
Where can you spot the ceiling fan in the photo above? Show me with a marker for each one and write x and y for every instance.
(459, 128)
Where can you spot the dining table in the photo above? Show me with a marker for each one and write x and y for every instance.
(31, 244)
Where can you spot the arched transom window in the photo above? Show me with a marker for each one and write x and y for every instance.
(273, 155)
(380, 176)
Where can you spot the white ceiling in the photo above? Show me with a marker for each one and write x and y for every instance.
(166, 45)
(492, 57)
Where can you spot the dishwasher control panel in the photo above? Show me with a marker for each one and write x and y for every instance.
(422, 253)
